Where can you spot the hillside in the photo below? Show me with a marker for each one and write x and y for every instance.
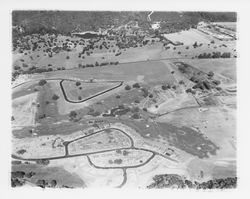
(67, 21)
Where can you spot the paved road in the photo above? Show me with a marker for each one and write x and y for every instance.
(92, 96)
(67, 155)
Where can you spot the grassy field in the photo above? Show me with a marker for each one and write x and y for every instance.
(24, 110)
(84, 90)
(224, 67)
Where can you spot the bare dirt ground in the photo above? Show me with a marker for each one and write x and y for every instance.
(24, 110)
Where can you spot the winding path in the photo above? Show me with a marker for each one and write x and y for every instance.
(124, 168)
(92, 96)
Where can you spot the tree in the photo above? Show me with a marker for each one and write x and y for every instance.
(127, 87)
(67, 57)
(226, 55)
(210, 74)
(17, 67)
(21, 151)
(195, 45)
(42, 82)
(181, 82)
(164, 87)
(78, 83)
(137, 101)
(72, 114)
(53, 183)
(42, 161)
(216, 82)
(189, 90)
(136, 85)
(55, 97)
(41, 183)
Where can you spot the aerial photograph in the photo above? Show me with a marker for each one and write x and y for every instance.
(123, 99)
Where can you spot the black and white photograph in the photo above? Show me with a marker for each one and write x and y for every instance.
(123, 99)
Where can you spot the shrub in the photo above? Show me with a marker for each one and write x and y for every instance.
(189, 90)
(53, 183)
(210, 74)
(21, 151)
(127, 87)
(226, 55)
(118, 161)
(41, 183)
(42, 161)
(78, 83)
(55, 97)
(42, 82)
(17, 67)
(136, 85)
(137, 101)
(67, 57)
(25, 65)
(181, 82)
(216, 82)
(164, 87)
(72, 114)
(195, 45)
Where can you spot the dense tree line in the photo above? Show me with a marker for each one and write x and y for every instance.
(214, 55)
(176, 181)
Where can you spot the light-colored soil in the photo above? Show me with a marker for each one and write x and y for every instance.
(103, 141)
(188, 37)
(24, 110)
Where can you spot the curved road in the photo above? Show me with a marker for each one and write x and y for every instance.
(92, 96)
(66, 143)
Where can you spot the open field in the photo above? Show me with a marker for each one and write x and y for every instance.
(224, 67)
(24, 110)
(84, 90)
(188, 37)
(107, 140)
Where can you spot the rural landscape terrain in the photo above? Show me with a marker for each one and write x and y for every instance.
(124, 99)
